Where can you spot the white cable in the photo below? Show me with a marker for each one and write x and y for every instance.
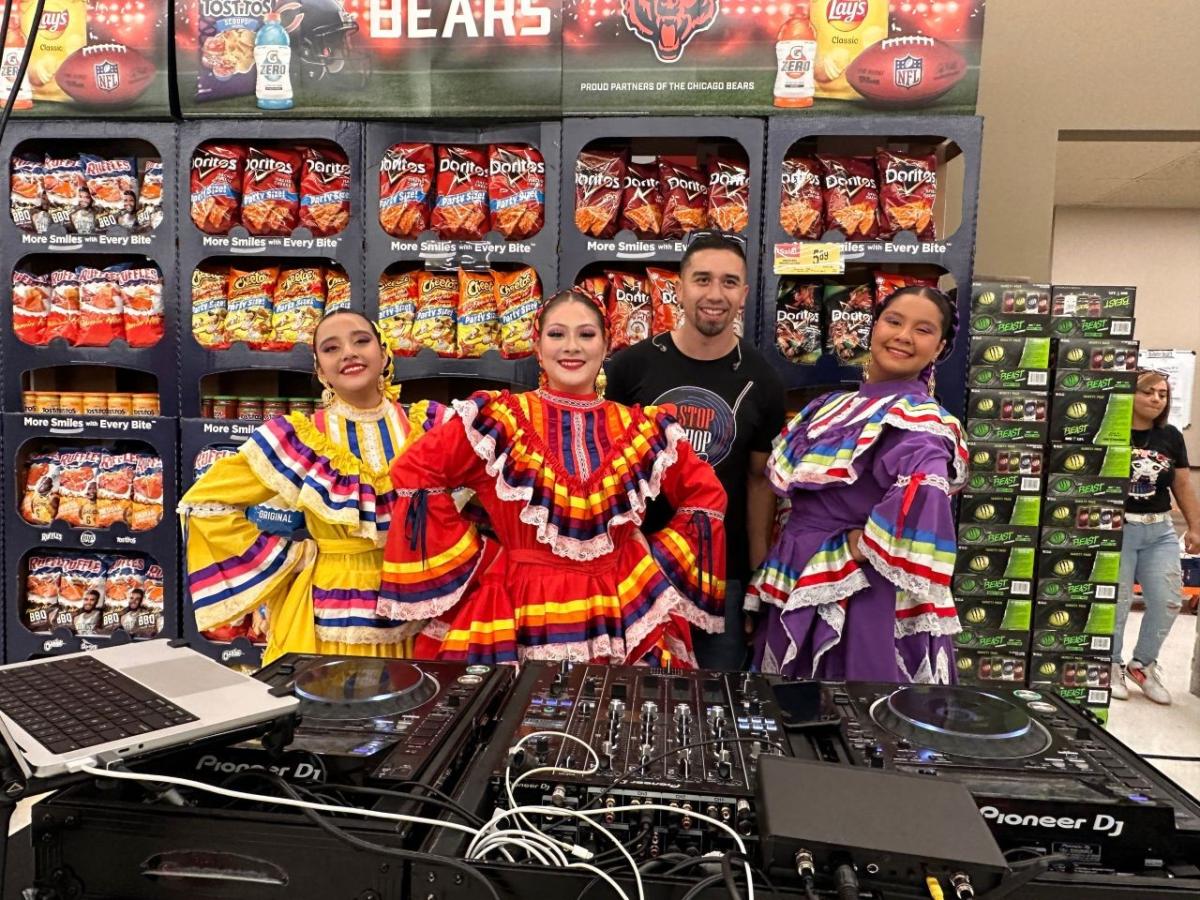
(121, 775)
(510, 784)
(521, 838)
(530, 848)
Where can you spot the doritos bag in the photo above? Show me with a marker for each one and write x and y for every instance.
(31, 307)
(101, 312)
(250, 300)
(298, 306)
(851, 194)
(518, 296)
(848, 310)
(664, 297)
(217, 186)
(271, 191)
(801, 203)
(325, 191)
(62, 322)
(798, 321)
(641, 201)
(685, 199)
(437, 301)
(406, 189)
(478, 325)
(210, 300)
(461, 209)
(398, 309)
(516, 190)
(142, 305)
(596, 287)
(908, 192)
(599, 181)
(728, 195)
(629, 311)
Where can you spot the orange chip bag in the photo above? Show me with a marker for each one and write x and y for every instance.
(298, 305)
(271, 191)
(641, 202)
(78, 473)
(629, 310)
(596, 287)
(908, 192)
(64, 306)
(248, 317)
(684, 193)
(337, 290)
(398, 309)
(477, 324)
(437, 301)
(31, 307)
(518, 296)
(217, 186)
(801, 205)
(41, 591)
(406, 175)
(142, 305)
(81, 576)
(887, 283)
(728, 195)
(516, 190)
(146, 508)
(101, 306)
(325, 191)
(210, 301)
(114, 488)
(664, 299)
(851, 193)
(599, 180)
(461, 209)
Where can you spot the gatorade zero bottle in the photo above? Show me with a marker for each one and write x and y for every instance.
(273, 59)
(795, 53)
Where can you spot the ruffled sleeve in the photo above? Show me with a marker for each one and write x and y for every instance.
(909, 537)
(232, 566)
(690, 549)
(434, 551)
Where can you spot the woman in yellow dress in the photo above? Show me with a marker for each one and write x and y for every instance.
(319, 594)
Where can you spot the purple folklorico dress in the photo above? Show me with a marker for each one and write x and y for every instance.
(886, 459)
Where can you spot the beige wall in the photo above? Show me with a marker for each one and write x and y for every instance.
(1157, 251)
(1090, 65)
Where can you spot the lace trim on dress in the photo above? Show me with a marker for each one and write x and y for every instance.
(936, 481)
(938, 594)
(711, 513)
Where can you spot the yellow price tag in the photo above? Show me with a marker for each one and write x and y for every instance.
(807, 258)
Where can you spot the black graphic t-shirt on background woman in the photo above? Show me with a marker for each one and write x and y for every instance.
(1157, 453)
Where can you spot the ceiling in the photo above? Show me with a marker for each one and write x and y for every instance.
(1109, 173)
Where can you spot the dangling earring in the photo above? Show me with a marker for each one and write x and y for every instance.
(328, 397)
(601, 383)
(543, 381)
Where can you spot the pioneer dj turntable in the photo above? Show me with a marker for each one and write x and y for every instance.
(1042, 773)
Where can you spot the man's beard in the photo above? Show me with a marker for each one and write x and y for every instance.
(709, 327)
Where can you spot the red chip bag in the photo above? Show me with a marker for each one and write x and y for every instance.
(67, 195)
(271, 191)
(248, 317)
(81, 575)
(146, 506)
(398, 309)
(324, 191)
(728, 195)
(406, 189)
(31, 307)
(437, 301)
(516, 190)
(476, 320)
(142, 305)
(596, 287)
(641, 201)
(887, 283)
(599, 180)
(518, 296)
(101, 306)
(684, 199)
(851, 194)
(64, 306)
(337, 290)
(460, 212)
(664, 299)
(801, 202)
(908, 191)
(217, 186)
(629, 310)
(114, 488)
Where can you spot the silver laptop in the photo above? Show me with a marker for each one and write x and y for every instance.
(120, 702)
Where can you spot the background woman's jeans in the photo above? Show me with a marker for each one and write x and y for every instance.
(1149, 556)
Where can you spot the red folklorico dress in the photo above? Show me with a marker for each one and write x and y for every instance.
(559, 569)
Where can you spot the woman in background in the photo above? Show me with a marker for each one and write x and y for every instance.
(857, 585)
(317, 595)
(1150, 546)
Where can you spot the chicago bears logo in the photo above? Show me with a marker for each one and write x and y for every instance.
(668, 25)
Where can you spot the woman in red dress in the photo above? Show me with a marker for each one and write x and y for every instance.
(560, 570)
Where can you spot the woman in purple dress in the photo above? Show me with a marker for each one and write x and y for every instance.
(857, 585)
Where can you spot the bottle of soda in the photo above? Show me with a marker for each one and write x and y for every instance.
(10, 62)
(273, 59)
(795, 53)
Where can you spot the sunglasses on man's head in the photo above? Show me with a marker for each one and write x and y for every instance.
(732, 236)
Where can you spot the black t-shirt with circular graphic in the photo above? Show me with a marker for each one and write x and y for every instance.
(1157, 454)
(725, 412)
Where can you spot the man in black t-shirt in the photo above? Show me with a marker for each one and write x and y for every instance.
(730, 403)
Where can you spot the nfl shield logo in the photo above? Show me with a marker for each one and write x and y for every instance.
(108, 76)
(908, 71)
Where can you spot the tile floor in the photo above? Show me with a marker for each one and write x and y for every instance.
(1149, 728)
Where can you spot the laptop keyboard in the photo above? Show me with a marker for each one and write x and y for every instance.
(69, 704)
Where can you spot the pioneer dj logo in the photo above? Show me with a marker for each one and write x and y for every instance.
(668, 25)
(1102, 823)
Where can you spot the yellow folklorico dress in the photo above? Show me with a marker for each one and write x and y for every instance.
(320, 594)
